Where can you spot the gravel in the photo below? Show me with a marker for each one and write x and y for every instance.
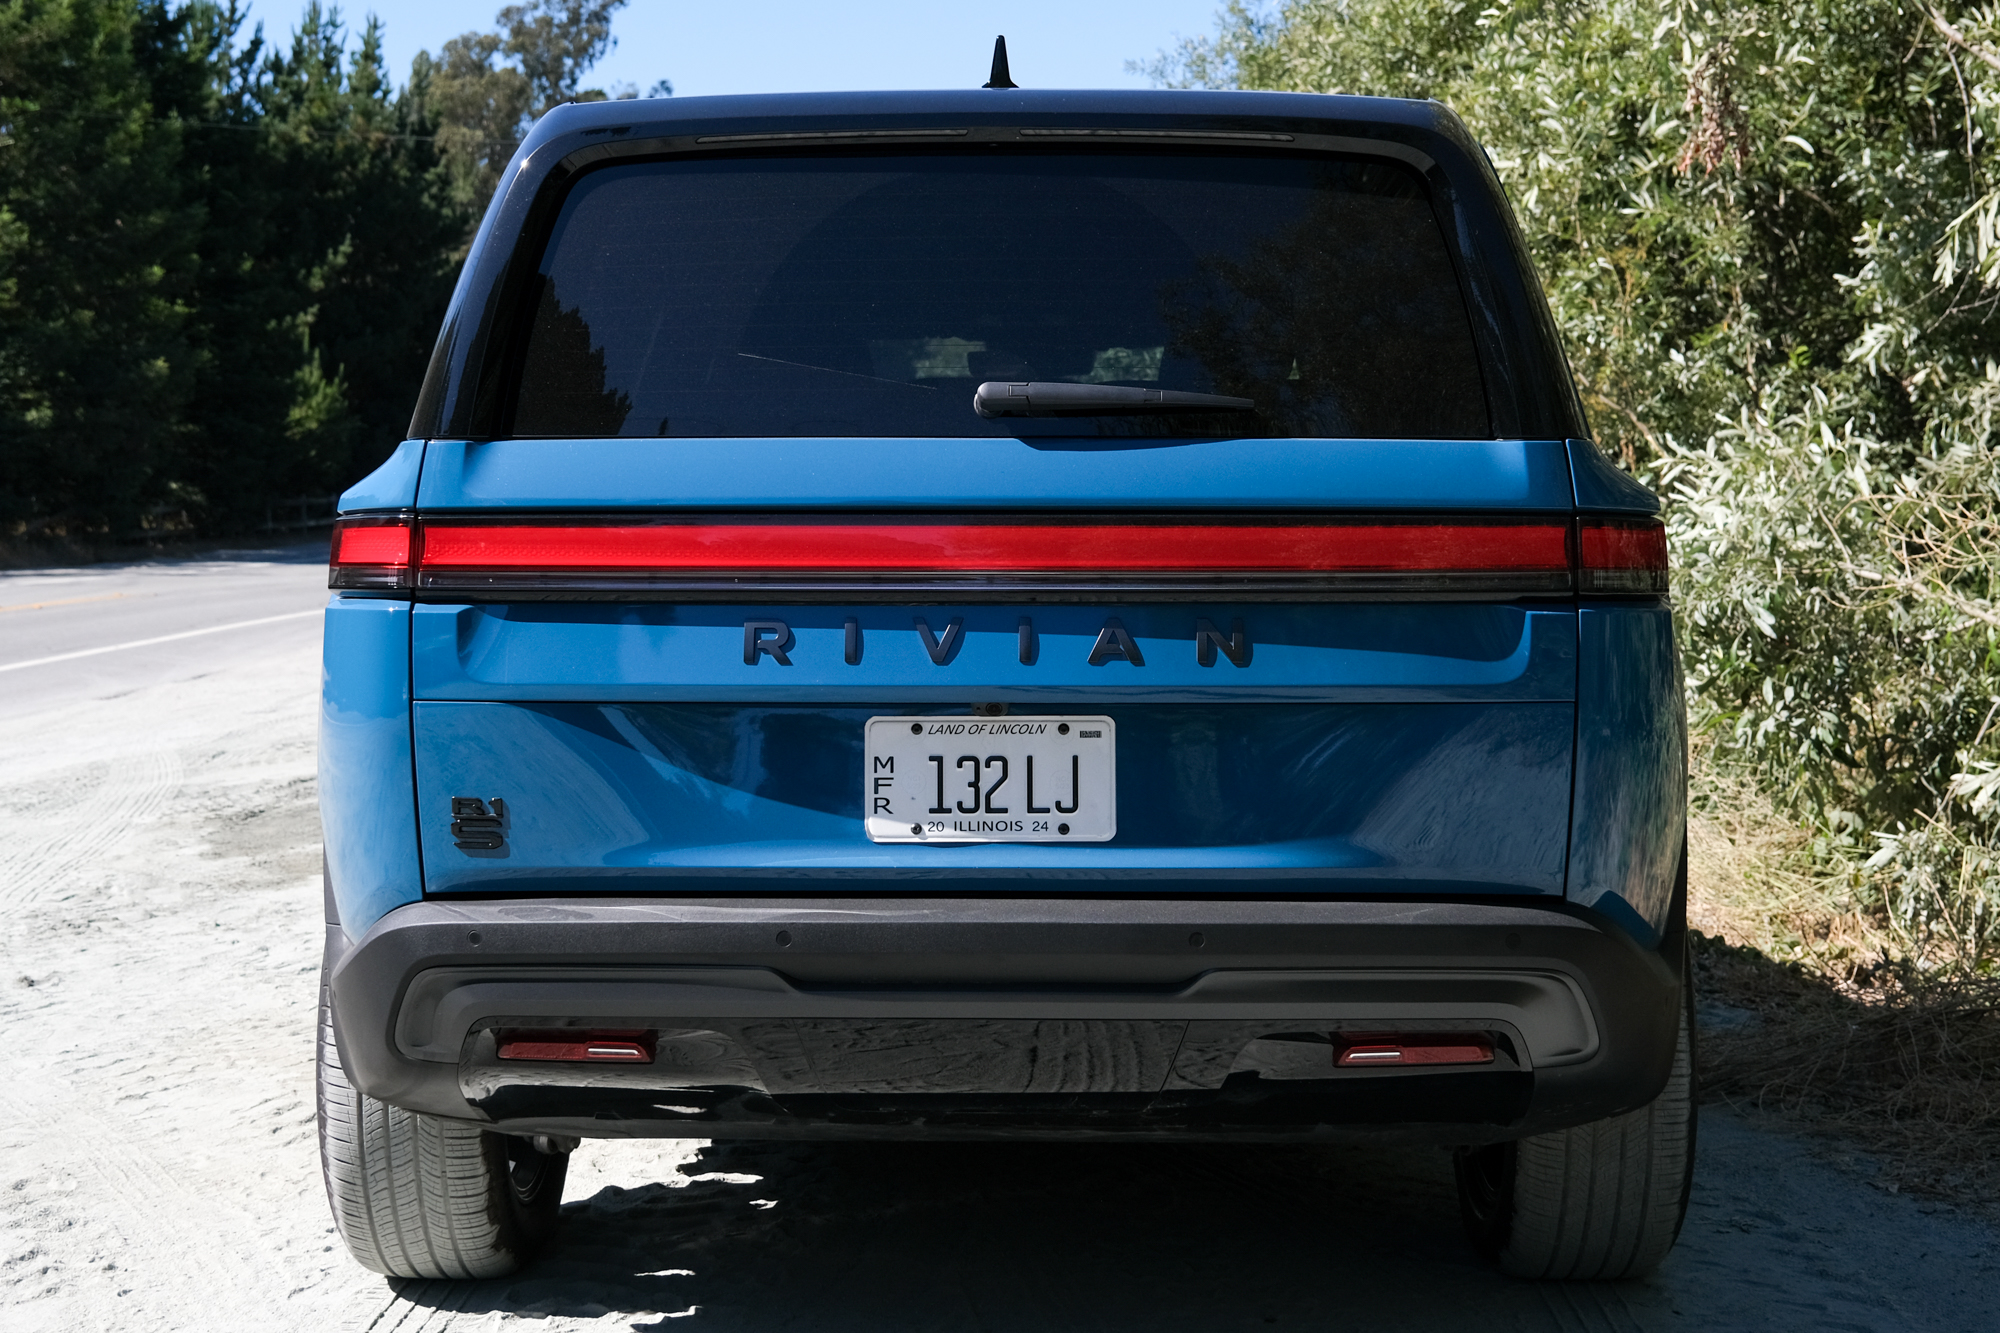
(159, 936)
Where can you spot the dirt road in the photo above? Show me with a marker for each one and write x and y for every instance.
(159, 937)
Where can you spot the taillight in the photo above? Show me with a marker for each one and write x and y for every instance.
(864, 558)
(1622, 556)
(372, 553)
(995, 547)
(990, 559)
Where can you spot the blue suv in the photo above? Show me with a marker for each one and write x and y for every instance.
(1002, 614)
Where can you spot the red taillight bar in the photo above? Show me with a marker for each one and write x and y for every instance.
(998, 547)
(986, 559)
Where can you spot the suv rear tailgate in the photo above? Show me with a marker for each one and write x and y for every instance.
(1359, 746)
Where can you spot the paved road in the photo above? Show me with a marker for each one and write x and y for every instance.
(159, 908)
(68, 634)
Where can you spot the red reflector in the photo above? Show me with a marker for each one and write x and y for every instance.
(371, 543)
(1363, 1049)
(630, 1046)
(999, 546)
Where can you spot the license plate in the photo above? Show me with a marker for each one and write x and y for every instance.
(990, 779)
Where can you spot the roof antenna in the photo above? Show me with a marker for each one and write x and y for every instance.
(1000, 78)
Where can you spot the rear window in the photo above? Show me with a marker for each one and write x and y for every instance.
(871, 294)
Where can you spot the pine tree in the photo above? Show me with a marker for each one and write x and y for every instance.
(97, 269)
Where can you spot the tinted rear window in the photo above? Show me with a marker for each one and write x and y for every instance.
(869, 295)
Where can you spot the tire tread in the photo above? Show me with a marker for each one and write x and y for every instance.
(412, 1196)
(1604, 1201)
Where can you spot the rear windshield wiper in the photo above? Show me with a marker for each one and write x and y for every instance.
(997, 398)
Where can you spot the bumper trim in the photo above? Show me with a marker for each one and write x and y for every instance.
(1591, 1014)
(1547, 1009)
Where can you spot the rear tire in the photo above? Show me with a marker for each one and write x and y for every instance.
(1599, 1202)
(415, 1196)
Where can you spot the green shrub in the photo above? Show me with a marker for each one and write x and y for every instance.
(1771, 233)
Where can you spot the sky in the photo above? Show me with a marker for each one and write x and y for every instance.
(730, 46)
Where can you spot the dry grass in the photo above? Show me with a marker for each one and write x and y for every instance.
(1830, 1027)
(1908, 1070)
(1753, 879)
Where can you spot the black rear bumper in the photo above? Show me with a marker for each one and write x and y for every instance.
(966, 1018)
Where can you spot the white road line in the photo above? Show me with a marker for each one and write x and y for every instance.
(163, 638)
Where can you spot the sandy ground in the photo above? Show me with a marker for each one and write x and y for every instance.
(159, 936)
